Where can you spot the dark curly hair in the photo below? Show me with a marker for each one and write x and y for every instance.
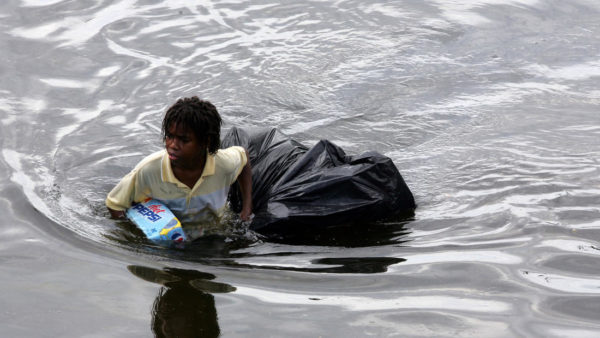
(199, 116)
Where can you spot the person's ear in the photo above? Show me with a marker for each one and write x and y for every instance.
(204, 143)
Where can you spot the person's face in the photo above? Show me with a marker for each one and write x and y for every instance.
(183, 147)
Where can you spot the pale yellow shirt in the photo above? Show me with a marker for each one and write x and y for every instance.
(199, 209)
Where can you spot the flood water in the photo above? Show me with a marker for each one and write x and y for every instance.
(488, 108)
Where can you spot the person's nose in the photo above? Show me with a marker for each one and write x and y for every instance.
(173, 143)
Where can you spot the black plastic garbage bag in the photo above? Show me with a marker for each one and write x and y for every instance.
(298, 189)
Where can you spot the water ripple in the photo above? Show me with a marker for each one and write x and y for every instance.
(563, 283)
(488, 108)
(371, 303)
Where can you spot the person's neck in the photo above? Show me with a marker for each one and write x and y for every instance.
(190, 173)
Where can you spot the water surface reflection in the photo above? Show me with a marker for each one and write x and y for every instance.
(184, 306)
(489, 109)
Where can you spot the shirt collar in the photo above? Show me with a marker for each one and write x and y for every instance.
(168, 175)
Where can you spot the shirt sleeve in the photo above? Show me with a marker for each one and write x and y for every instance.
(237, 159)
(123, 194)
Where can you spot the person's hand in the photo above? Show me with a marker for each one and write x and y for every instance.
(117, 214)
(246, 214)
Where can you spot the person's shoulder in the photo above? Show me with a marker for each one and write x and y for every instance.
(151, 161)
(231, 157)
(231, 151)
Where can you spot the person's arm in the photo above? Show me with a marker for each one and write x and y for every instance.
(116, 214)
(121, 196)
(245, 182)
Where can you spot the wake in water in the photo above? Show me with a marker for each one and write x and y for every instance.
(489, 108)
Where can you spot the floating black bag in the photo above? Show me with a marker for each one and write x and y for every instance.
(295, 189)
